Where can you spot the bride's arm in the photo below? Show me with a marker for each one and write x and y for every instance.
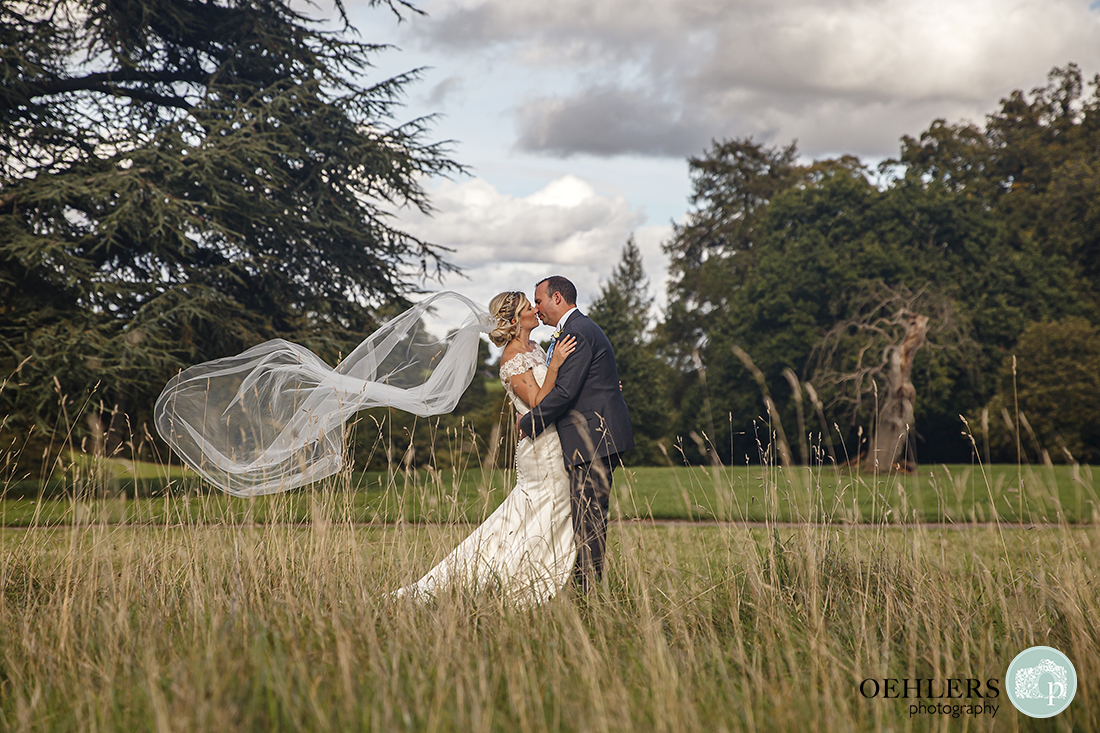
(525, 386)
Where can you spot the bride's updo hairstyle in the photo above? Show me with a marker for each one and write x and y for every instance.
(504, 310)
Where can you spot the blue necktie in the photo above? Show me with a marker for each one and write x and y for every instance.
(550, 349)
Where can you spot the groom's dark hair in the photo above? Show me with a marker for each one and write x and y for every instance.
(558, 284)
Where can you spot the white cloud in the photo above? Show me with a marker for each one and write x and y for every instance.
(505, 242)
(663, 77)
(565, 224)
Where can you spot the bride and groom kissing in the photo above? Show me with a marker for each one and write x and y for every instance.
(273, 418)
(573, 425)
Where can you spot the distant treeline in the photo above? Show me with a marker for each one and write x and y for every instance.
(815, 271)
(221, 178)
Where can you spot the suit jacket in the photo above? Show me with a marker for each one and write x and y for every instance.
(586, 403)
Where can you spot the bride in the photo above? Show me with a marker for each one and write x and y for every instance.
(525, 548)
(273, 419)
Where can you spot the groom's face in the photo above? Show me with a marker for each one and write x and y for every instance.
(546, 306)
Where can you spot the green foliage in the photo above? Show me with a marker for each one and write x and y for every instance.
(986, 230)
(622, 310)
(1055, 385)
(183, 180)
(713, 252)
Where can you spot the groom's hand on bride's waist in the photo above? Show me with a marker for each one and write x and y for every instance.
(519, 429)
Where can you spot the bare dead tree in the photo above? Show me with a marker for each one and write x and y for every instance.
(892, 436)
(864, 365)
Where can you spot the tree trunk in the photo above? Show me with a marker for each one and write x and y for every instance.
(98, 431)
(892, 445)
(118, 429)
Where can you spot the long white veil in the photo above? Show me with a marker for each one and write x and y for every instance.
(272, 418)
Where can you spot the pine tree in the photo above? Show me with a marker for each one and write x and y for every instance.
(181, 179)
(623, 312)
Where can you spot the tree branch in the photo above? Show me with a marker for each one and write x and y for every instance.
(109, 83)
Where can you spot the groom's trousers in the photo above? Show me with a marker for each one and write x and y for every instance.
(590, 492)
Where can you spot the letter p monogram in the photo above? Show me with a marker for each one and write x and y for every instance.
(1061, 691)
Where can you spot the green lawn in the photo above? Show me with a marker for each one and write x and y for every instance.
(955, 493)
(122, 492)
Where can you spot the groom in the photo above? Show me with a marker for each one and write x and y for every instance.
(593, 422)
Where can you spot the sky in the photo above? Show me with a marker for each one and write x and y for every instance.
(576, 118)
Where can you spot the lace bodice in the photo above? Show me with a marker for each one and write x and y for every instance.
(535, 361)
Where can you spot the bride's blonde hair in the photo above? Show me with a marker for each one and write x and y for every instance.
(504, 309)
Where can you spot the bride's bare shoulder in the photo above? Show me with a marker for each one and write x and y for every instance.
(511, 351)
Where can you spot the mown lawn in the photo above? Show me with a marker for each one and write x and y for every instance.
(145, 493)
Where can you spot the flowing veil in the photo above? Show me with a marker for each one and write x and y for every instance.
(272, 418)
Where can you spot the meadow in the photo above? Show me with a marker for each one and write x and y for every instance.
(209, 613)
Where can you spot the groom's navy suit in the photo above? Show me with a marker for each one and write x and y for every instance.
(593, 424)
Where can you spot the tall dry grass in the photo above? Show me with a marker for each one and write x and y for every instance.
(213, 621)
(200, 625)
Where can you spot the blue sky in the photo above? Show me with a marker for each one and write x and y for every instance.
(576, 117)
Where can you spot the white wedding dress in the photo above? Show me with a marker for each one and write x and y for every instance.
(525, 548)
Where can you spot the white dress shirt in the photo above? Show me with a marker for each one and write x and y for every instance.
(564, 318)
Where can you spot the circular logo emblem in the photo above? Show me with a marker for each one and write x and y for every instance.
(1041, 682)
